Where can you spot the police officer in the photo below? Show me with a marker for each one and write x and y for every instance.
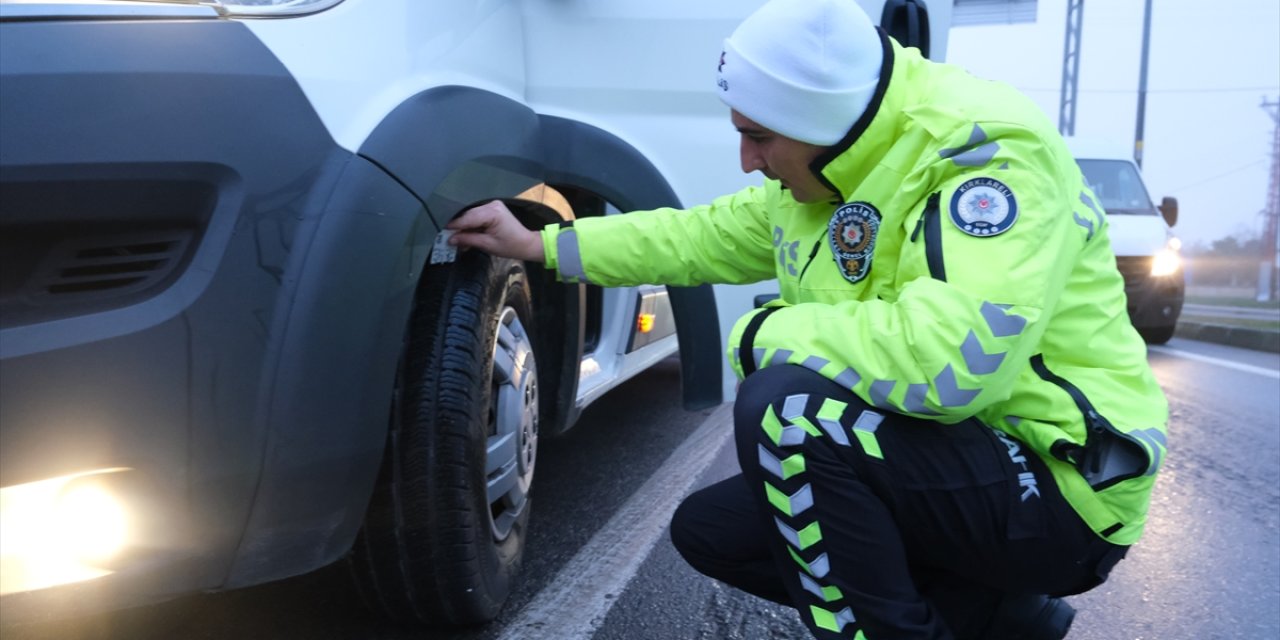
(946, 422)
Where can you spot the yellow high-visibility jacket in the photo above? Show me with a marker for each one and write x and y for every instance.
(965, 271)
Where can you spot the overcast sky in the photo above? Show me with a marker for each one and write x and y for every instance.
(1208, 141)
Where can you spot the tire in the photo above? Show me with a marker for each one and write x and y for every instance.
(443, 538)
(1157, 335)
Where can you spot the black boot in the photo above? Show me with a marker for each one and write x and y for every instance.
(1031, 617)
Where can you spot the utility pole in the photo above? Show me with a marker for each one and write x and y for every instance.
(1070, 68)
(1267, 275)
(1142, 86)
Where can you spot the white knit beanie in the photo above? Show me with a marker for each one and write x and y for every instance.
(806, 69)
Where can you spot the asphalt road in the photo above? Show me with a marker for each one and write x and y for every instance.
(599, 564)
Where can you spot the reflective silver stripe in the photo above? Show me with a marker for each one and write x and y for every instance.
(841, 619)
(845, 617)
(1002, 323)
(848, 378)
(949, 392)
(811, 586)
(814, 363)
(869, 421)
(770, 462)
(1157, 436)
(978, 360)
(831, 407)
(780, 356)
(1084, 222)
(1088, 202)
(879, 392)
(569, 257)
(820, 566)
(801, 500)
(914, 401)
(977, 157)
(758, 354)
(1013, 420)
(782, 469)
(1156, 442)
(791, 436)
(971, 154)
(793, 407)
(787, 532)
(976, 137)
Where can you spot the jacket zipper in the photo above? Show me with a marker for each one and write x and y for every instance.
(930, 223)
(817, 243)
(1093, 420)
(1097, 428)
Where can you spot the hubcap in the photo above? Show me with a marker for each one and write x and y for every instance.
(512, 444)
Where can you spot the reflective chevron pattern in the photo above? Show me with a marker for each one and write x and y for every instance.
(787, 491)
(818, 568)
(828, 594)
(829, 418)
(1001, 323)
(865, 430)
(833, 621)
(781, 435)
(802, 539)
(792, 505)
(978, 360)
(781, 469)
(974, 153)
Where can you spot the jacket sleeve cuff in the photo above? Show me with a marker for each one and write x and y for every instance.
(743, 353)
(549, 235)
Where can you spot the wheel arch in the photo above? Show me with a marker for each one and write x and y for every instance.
(456, 146)
(587, 157)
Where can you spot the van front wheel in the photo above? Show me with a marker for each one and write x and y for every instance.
(444, 534)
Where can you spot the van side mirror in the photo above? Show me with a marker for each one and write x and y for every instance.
(765, 298)
(907, 21)
(1169, 209)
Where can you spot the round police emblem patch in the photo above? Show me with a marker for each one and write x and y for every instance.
(983, 207)
(852, 234)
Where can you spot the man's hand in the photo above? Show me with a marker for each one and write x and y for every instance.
(492, 228)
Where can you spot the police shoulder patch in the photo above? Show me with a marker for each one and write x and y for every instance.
(983, 207)
(852, 233)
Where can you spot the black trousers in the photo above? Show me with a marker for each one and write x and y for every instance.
(878, 525)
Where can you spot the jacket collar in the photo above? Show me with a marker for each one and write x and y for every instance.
(844, 165)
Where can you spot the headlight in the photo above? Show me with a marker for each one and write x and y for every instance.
(267, 8)
(1166, 262)
(60, 530)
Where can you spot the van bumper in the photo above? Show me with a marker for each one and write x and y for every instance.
(1155, 301)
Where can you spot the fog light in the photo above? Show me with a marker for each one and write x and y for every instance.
(60, 530)
(1166, 262)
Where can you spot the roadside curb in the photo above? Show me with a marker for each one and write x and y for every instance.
(1245, 338)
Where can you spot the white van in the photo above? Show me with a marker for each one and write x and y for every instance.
(1141, 236)
(225, 357)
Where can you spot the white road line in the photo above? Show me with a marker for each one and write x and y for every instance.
(1247, 368)
(577, 600)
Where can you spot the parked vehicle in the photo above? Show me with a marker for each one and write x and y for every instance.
(227, 355)
(1147, 251)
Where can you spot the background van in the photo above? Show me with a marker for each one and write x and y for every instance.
(1147, 252)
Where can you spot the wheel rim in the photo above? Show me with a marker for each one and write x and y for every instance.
(512, 445)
